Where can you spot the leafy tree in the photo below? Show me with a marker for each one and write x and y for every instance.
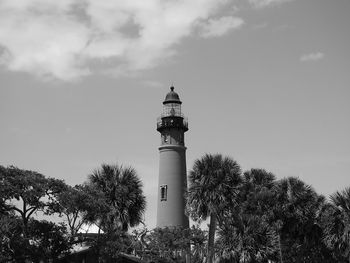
(43, 241)
(47, 240)
(27, 192)
(74, 203)
(337, 226)
(109, 245)
(171, 244)
(168, 244)
(198, 239)
(213, 187)
(8, 224)
(23, 193)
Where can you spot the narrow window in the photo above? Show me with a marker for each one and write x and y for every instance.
(165, 138)
(163, 192)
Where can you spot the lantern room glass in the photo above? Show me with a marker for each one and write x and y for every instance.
(172, 109)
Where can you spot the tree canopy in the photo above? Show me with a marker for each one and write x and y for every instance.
(254, 217)
(214, 181)
(23, 193)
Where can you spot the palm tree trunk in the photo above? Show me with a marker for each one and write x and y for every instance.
(280, 247)
(211, 239)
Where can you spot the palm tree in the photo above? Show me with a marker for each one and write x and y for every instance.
(213, 186)
(256, 193)
(296, 210)
(247, 238)
(119, 193)
(338, 224)
(247, 233)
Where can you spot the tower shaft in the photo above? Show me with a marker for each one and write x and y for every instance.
(172, 187)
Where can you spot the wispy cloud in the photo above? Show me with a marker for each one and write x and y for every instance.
(220, 27)
(68, 39)
(312, 57)
(266, 3)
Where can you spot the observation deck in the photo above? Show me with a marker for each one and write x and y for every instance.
(172, 121)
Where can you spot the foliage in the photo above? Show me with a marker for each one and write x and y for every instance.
(214, 181)
(198, 239)
(27, 192)
(43, 241)
(298, 208)
(8, 233)
(259, 218)
(113, 200)
(23, 193)
(74, 204)
(247, 238)
(48, 240)
(109, 245)
(337, 224)
(213, 184)
(273, 220)
(247, 233)
(121, 203)
(173, 244)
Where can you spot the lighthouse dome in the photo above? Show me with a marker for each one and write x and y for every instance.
(172, 97)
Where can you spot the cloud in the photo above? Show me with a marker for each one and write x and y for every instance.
(220, 27)
(312, 57)
(69, 39)
(266, 3)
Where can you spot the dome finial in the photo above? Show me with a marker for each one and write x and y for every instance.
(172, 96)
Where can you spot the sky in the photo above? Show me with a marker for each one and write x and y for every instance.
(266, 82)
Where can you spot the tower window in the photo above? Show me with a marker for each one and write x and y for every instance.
(165, 138)
(163, 192)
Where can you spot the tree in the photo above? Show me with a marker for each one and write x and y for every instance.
(213, 187)
(74, 204)
(121, 190)
(170, 244)
(198, 239)
(27, 192)
(256, 193)
(337, 227)
(8, 225)
(297, 209)
(23, 193)
(117, 204)
(247, 238)
(43, 241)
(247, 233)
(47, 240)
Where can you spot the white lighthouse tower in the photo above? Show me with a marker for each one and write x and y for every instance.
(172, 183)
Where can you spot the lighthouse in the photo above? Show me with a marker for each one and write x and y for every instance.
(172, 182)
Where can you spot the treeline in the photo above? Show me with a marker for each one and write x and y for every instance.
(112, 199)
(253, 217)
(261, 219)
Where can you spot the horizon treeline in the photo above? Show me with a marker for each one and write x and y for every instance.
(254, 217)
